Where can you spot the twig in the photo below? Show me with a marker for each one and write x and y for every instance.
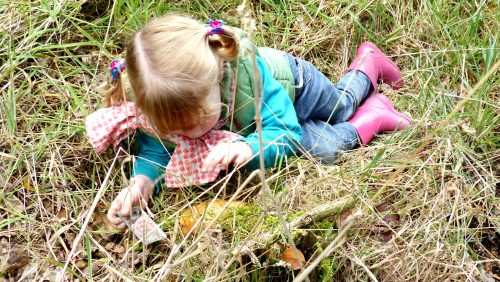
(322, 211)
(258, 106)
(257, 93)
(367, 270)
(87, 219)
(316, 214)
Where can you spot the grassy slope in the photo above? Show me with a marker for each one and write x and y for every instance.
(54, 55)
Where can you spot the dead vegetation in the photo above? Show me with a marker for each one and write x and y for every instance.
(426, 199)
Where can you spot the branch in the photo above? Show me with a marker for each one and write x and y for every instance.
(321, 212)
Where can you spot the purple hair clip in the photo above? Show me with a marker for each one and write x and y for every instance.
(116, 67)
(215, 27)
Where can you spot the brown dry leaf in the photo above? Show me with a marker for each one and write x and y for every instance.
(392, 220)
(289, 256)
(342, 218)
(110, 246)
(387, 236)
(383, 207)
(191, 214)
(386, 230)
(61, 216)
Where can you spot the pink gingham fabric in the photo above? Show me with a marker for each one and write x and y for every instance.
(108, 126)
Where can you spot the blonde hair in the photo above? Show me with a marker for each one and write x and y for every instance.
(172, 65)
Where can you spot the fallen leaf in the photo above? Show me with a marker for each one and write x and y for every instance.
(383, 207)
(386, 230)
(110, 246)
(289, 256)
(61, 216)
(191, 214)
(387, 236)
(342, 218)
(392, 220)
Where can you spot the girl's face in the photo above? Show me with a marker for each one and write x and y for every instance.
(206, 123)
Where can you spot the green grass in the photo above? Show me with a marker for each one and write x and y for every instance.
(54, 56)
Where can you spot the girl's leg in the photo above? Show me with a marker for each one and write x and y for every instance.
(322, 108)
(377, 114)
(325, 141)
(318, 98)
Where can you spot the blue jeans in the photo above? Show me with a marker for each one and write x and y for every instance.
(323, 109)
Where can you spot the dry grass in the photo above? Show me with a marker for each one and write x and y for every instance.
(440, 179)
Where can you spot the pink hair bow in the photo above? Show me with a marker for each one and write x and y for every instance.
(215, 27)
(116, 67)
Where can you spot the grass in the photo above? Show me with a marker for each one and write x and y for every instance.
(440, 176)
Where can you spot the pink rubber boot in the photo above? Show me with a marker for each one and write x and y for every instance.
(376, 115)
(372, 62)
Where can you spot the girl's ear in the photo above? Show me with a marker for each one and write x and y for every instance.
(224, 45)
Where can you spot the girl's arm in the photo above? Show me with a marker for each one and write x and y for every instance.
(147, 172)
(281, 128)
(152, 159)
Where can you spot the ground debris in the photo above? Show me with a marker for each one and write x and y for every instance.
(12, 260)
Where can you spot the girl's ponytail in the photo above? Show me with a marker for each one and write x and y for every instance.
(222, 40)
(114, 90)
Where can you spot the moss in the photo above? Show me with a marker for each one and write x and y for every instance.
(324, 224)
(326, 270)
(245, 218)
(294, 215)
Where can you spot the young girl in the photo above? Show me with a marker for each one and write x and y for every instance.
(194, 108)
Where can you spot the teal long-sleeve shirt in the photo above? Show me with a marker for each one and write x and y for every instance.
(281, 133)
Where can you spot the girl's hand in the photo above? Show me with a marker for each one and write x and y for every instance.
(139, 192)
(223, 154)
